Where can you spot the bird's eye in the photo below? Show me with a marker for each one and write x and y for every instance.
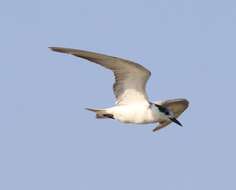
(167, 112)
(163, 109)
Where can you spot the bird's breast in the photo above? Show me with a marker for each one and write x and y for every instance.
(139, 114)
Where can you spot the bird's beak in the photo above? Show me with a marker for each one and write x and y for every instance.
(176, 121)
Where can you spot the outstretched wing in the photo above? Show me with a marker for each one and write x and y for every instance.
(177, 107)
(130, 77)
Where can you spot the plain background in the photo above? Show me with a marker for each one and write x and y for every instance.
(47, 139)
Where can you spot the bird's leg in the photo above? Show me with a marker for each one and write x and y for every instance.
(108, 115)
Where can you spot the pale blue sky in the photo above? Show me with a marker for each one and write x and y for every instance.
(48, 141)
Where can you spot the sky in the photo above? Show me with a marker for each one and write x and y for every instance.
(49, 141)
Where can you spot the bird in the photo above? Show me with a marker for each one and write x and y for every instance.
(132, 104)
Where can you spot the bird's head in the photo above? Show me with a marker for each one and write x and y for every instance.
(168, 113)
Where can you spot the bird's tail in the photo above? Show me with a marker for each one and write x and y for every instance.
(101, 113)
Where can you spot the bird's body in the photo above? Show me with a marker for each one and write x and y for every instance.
(132, 105)
(138, 113)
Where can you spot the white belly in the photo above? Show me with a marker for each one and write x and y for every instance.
(135, 113)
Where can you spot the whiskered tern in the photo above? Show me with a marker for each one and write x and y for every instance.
(132, 104)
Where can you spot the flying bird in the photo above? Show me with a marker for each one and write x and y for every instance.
(132, 104)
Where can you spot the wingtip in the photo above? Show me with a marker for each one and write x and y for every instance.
(58, 49)
(156, 129)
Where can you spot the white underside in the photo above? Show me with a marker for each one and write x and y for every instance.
(139, 113)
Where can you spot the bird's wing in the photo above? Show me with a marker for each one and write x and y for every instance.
(130, 77)
(176, 106)
(161, 125)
